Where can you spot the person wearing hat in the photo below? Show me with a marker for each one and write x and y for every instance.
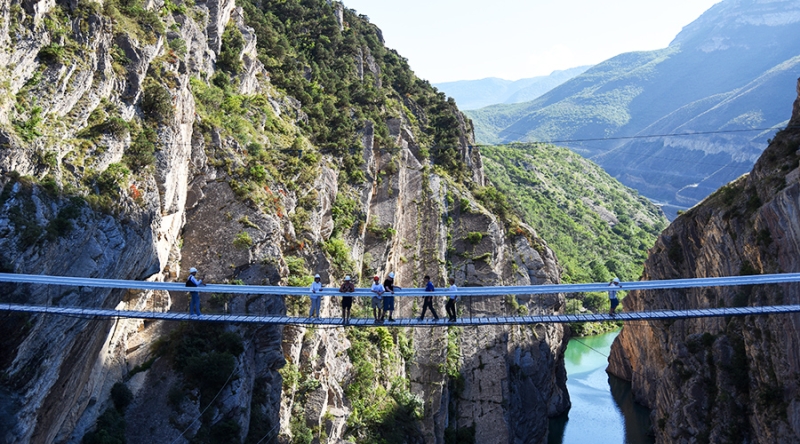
(194, 303)
(347, 301)
(388, 300)
(377, 303)
(316, 288)
(614, 286)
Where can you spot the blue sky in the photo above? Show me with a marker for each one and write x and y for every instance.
(446, 40)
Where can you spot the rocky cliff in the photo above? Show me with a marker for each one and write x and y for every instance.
(725, 379)
(140, 139)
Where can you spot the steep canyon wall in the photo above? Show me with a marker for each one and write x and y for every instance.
(724, 379)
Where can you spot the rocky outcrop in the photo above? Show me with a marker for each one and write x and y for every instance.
(509, 380)
(73, 203)
(724, 379)
(62, 389)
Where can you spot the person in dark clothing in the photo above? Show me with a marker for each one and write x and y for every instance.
(427, 301)
(347, 301)
(194, 304)
(388, 300)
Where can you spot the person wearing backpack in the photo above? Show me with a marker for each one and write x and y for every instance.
(194, 303)
(347, 301)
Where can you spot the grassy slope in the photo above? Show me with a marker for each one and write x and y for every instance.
(597, 227)
(597, 100)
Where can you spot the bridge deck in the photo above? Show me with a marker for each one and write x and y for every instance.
(784, 278)
(403, 322)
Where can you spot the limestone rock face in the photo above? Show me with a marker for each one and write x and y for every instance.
(70, 206)
(724, 379)
(61, 369)
(511, 378)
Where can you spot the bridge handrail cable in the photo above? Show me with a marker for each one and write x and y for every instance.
(406, 292)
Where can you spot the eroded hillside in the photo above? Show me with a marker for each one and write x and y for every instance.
(718, 87)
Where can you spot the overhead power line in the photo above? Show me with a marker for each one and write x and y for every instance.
(653, 136)
(354, 149)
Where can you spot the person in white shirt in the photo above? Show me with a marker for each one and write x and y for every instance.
(377, 303)
(451, 301)
(316, 289)
(614, 286)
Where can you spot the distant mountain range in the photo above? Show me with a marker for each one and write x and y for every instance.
(474, 94)
(730, 75)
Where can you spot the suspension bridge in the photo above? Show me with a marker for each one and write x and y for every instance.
(466, 292)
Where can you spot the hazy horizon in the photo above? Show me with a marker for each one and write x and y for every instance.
(518, 40)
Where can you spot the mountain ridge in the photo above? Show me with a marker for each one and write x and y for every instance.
(728, 47)
(474, 94)
(261, 143)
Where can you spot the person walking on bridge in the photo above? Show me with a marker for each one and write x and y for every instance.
(377, 299)
(451, 301)
(427, 301)
(316, 289)
(388, 300)
(194, 303)
(614, 286)
(347, 301)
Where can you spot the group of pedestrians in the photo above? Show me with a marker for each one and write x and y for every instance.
(382, 300)
(450, 307)
(383, 297)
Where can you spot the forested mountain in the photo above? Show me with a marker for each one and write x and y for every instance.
(598, 227)
(728, 75)
(262, 143)
(474, 94)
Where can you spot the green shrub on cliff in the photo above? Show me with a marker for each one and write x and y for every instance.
(110, 429)
(328, 70)
(383, 408)
(232, 45)
(205, 354)
(141, 152)
(157, 103)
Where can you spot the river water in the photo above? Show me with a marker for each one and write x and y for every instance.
(603, 410)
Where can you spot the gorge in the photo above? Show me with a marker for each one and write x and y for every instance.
(139, 140)
(265, 142)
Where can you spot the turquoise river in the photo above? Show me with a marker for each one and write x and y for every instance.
(603, 410)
